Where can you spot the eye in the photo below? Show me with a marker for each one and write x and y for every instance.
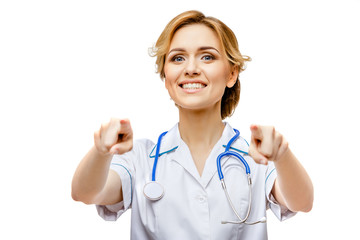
(177, 58)
(208, 57)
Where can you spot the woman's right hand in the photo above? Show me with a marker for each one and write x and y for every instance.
(114, 137)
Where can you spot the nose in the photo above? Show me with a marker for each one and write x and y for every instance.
(192, 68)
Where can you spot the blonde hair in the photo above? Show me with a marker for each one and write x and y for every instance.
(228, 40)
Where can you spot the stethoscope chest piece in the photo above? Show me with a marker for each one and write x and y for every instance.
(153, 191)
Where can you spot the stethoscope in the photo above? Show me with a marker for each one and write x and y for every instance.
(154, 191)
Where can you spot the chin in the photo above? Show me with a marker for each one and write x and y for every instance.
(196, 106)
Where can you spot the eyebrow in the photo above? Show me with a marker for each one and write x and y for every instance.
(200, 48)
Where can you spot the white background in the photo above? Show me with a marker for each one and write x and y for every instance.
(67, 66)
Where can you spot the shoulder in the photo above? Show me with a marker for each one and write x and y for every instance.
(143, 146)
(240, 144)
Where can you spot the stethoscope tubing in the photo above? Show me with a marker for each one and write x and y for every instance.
(227, 152)
(157, 156)
(230, 153)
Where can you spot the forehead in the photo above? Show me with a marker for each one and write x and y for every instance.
(194, 36)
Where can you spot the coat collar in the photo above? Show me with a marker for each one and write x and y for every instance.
(169, 143)
(176, 149)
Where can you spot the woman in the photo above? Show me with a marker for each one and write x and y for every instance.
(199, 59)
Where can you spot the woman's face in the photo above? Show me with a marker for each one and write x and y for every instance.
(196, 68)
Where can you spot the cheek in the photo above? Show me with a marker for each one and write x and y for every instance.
(168, 77)
(171, 74)
(166, 74)
(218, 74)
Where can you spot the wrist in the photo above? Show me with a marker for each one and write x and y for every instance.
(283, 156)
(283, 151)
(102, 155)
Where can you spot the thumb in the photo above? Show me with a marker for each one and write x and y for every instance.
(122, 147)
(256, 155)
(125, 139)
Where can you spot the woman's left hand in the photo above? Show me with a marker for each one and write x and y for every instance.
(266, 144)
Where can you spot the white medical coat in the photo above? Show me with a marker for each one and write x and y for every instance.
(192, 206)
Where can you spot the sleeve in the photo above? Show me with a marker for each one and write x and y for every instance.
(281, 212)
(123, 165)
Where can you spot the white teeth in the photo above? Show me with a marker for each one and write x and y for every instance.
(193, 85)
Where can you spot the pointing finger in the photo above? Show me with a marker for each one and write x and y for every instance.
(258, 158)
(125, 127)
(256, 132)
(263, 137)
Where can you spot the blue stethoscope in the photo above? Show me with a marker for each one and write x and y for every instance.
(154, 191)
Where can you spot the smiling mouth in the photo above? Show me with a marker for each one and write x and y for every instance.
(192, 85)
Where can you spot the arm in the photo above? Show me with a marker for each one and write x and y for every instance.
(93, 182)
(293, 187)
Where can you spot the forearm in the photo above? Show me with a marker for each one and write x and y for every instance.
(294, 186)
(90, 176)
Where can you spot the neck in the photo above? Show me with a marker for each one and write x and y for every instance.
(200, 127)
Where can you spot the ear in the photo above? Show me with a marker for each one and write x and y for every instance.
(234, 73)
